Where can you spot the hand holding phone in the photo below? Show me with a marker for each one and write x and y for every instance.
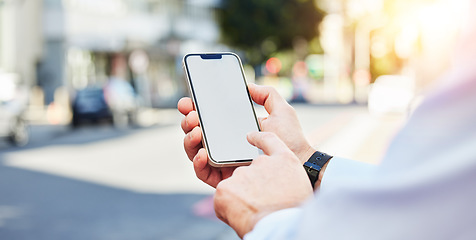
(282, 120)
(219, 91)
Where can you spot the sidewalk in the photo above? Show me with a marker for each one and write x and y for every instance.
(152, 159)
(356, 135)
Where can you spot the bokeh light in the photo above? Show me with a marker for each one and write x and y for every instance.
(273, 65)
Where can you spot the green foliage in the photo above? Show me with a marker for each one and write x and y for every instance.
(263, 27)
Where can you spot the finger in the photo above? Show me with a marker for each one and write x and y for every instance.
(260, 121)
(200, 161)
(200, 165)
(267, 96)
(190, 121)
(185, 105)
(193, 142)
(266, 141)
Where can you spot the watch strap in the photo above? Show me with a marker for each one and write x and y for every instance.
(314, 165)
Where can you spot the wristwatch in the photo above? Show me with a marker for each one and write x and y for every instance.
(314, 165)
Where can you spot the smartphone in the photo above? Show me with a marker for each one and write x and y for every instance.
(220, 95)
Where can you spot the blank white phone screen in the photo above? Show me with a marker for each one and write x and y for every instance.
(224, 107)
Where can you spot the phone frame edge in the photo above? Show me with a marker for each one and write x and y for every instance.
(211, 161)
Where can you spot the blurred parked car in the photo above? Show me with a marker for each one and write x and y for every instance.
(116, 102)
(13, 104)
(391, 94)
(90, 105)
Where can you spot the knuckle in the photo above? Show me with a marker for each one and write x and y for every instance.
(188, 118)
(193, 119)
(192, 138)
(221, 186)
(190, 121)
(192, 114)
(186, 138)
(197, 173)
(260, 159)
(264, 123)
(271, 90)
(239, 170)
(200, 176)
(186, 141)
(197, 132)
(288, 154)
(184, 124)
(266, 136)
(289, 109)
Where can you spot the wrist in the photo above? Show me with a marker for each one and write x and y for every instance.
(305, 153)
(249, 221)
(248, 225)
(252, 221)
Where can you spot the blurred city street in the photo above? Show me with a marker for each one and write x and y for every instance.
(98, 182)
(90, 141)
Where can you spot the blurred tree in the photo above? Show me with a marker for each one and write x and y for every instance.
(263, 27)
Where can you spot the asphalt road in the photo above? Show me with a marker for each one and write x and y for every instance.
(98, 182)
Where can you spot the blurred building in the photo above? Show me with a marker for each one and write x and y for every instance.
(66, 45)
(20, 39)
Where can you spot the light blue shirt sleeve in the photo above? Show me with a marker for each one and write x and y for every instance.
(339, 169)
(422, 189)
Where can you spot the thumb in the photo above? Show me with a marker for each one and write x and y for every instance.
(266, 141)
(266, 96)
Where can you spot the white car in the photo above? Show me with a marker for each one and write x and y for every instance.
(13, 103)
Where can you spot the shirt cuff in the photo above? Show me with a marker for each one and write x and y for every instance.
(281, 224)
